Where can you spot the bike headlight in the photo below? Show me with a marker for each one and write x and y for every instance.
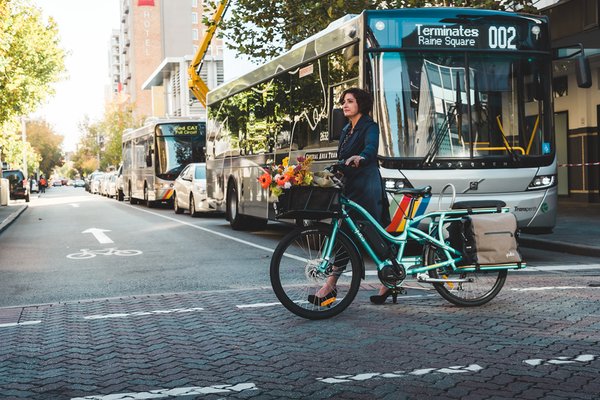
(542, 182)
(395, 183)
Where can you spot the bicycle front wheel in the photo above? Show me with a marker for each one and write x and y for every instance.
(295, 277)
(476, 288)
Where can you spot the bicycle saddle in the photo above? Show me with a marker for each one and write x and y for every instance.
(424, 191)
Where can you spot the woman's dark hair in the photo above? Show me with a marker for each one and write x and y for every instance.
(363, 99)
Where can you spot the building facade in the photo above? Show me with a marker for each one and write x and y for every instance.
(153, 33)
(577, 110)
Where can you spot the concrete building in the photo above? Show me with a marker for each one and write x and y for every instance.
(577, 111)
(154, 33)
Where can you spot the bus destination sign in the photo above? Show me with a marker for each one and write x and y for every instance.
(184, 129)
(495, 37)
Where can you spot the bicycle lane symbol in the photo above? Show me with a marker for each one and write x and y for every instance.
(111, 251)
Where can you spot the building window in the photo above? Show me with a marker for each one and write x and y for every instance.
(560, 86)
(194, 18)
(195, 34)
(194, 3)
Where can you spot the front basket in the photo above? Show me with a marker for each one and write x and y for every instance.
(308, 202)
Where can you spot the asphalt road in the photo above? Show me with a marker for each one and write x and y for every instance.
(193, 316)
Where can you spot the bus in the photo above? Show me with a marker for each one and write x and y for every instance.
(461, 96)
(155, 154)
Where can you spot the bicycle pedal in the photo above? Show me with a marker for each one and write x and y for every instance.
(328, 302)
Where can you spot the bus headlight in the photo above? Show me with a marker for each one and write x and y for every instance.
(166, 185)
(395, 184)
(542, 182)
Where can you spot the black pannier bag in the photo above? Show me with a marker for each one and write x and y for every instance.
(485, 239)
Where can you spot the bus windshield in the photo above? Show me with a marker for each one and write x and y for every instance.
(176, 151)
(463, 105)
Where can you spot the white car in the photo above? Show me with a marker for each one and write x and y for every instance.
(190, 190)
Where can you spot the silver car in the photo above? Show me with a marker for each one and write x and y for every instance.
(190, 190)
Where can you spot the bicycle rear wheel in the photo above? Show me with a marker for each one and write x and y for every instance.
(479, 287)
(294, 275)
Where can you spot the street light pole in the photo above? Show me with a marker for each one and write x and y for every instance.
(24, 137)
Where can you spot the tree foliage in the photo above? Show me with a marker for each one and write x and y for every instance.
(262, 29)
(47, 144)
(100, 145)
(31, 58)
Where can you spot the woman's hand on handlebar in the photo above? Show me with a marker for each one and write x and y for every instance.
(354, 161)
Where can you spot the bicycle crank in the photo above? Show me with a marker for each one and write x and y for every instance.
(392, 275)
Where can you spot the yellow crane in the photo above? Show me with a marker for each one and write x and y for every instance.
(195, 83)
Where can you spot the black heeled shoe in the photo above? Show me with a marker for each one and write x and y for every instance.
(323, 301)
(381, 298)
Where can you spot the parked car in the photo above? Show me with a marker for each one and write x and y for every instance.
(79, 183)
(57, 182)
(95, 182)
(190, 190)
(111, 185)
(18, 186)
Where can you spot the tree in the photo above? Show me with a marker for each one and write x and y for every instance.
(263, 29)
(31, 58)
(47, 145)
(91, 154)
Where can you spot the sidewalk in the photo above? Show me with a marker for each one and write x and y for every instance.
(9, 213)
(577, 228)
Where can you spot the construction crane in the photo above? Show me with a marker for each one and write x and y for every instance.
(195, 83)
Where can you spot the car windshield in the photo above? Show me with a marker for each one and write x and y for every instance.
(463, 105)
(200, 172)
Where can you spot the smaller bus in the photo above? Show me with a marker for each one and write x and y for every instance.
(155, 154)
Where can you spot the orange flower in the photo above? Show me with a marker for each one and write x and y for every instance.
(265, 180)
(282, 179)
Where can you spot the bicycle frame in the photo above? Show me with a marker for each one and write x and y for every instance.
(413, 264)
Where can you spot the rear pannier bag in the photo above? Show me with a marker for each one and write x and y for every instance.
(486, 239)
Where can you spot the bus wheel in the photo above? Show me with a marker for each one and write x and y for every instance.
(236, 220)
(131, 199)
(147, 202)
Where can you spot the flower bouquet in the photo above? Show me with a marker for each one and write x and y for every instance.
(285, 175)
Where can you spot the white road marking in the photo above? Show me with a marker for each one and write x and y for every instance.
(162, 393)
(75, 205)
(457, 369)
(99, 235)
(19, 324)
(138, 313)
(566, 267)
(258, 305)
(583, 358)
(538, 289)
(206, 230)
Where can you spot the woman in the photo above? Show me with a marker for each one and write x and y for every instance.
(358, 146)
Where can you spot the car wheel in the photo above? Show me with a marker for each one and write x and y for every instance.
(176, 208)
(193, 211)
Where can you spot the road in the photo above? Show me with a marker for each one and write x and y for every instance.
(193, 316)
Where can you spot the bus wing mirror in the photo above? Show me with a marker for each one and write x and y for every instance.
(584, 75)
(338, 121)
(149, 160)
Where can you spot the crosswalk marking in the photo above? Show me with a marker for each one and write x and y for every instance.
(162, 393)
(457, 369)
(582, 358)
(138, 313)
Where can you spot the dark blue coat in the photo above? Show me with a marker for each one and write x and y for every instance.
(363, 183)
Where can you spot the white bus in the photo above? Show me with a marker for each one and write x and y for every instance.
(461, 96)
(155, 154)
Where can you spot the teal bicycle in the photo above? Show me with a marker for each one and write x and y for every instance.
(307, 256)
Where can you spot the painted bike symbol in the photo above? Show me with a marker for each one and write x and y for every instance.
(111, 251)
